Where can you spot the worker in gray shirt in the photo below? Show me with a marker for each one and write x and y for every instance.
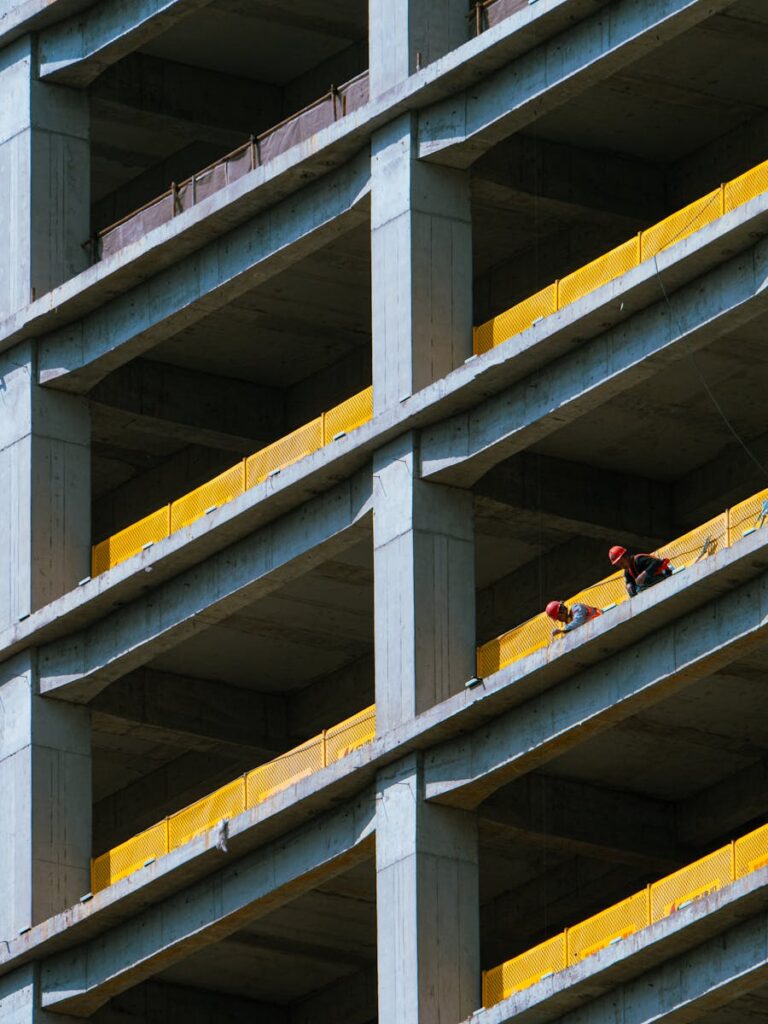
(572, 617)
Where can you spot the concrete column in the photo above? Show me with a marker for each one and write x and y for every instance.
(421, 266)
(406, 35)
(424, 587)
(45, 488)
(20, 999)
(45, 779)
(427, 903)
(45, 187)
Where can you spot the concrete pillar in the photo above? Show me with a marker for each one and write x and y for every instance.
(45, 187)
(427, 903)
(45, 779)
(20, 999)
(424, 587)
(421, 266)
(406, 35)
(45, 488)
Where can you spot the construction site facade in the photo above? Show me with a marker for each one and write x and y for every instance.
(340, 343)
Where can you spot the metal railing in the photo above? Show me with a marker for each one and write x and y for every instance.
(606, 268)
(328, 427)
(259, 150)
(610, 927)
(241, 794)
(721, 532)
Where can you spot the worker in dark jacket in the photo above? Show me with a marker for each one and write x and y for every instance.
(572, 617)
(640, 571)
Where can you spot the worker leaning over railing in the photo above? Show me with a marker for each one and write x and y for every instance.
(573, 617)
(640, 571)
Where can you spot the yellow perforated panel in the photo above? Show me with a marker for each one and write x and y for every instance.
(746, 187)
(524, 970)
(348, 416)
(748, 516)
(130, 541)
(608, 927)
(347, 736)
(691, 883)
(123, 860)
(515, 320)
(226, 802)
(699, 544)
(602, 270)
(514, 645)
(282, 453)
(681, 224)
(751, 852)
(606, 592)
(217, 492)
(270, 778)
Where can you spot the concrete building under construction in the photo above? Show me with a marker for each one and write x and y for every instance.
(337, 338)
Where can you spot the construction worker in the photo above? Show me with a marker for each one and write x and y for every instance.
(640, 571)
(572, 617)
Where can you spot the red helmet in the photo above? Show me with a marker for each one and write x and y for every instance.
(616, 554)
(553, 609)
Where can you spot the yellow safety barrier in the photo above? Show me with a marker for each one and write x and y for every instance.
(618, 261)
(720, 532)
(659, 900)
(332, 425)
(232, 799)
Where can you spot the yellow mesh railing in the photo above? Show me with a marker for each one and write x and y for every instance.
(525, 970)
(131, 540)
(608, 927)
(659, 900)
(128, 857)
(618, 261)
(692, 883)
(233, 798)
(720, 532)
(210, 496)
(285, 452)
(335, 423)
(748, 516)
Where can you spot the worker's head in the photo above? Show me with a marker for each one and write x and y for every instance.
(617, 555)
(558, 611)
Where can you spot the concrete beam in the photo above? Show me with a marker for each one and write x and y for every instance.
(160, 1001)
(20, 999)
(165, 93)
(460, 450)
(77, 51)
(78, 667)
(578, 819)
(687, 987)
(80, 981)
(458, 131)
(574, 181)
(81, 354)
(199, 708)
(192, 407)
(578, 498)
(596, 698)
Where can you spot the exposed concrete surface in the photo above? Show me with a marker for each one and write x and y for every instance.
(460, 130)
(45, 171)
(81, 981)
(421, 274)
(45, 826)
(424, 587)
(427, 903)
(77, 51)
(45, 483)
(405, 37)
(20, 999)
(78, 667)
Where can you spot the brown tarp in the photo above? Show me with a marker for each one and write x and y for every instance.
(303, 125)
(497, 10)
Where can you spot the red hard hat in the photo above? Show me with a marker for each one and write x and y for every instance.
(553, 609)
(616, 554)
